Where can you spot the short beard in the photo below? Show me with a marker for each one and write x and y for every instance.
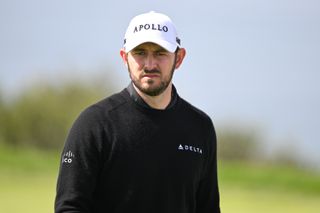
(157, 90)
(153, 91)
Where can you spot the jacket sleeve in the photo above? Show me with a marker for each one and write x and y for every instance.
(80, 165)
(208, 198)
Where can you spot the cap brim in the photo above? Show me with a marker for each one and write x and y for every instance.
(165, 44)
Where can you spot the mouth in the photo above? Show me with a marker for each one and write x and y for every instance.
(151, 75)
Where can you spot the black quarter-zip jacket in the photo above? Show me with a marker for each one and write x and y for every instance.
(123, 156)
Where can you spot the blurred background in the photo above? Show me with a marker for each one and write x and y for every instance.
(252, 65)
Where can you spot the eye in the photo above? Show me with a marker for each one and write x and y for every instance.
(139, 52)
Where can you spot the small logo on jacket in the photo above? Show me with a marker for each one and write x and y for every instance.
(190, 148)
(67, 157)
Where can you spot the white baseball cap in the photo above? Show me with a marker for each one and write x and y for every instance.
(151, 27)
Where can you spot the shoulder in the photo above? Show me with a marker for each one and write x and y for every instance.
(199, 121)
(195, 112)
(112, 102)
(100, 110)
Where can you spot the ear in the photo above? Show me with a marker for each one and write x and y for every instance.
(180, 56)
(123, 55)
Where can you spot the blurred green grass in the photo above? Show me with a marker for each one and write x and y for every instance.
(27, 159)
(28, 181)
(276, 177)
(239, 199)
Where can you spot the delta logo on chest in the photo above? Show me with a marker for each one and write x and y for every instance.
(188, 148)
(157, 27)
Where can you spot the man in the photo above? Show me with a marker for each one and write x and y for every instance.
(144, 149)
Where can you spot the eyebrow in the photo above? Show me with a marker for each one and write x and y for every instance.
(138, 49)
(161, 49)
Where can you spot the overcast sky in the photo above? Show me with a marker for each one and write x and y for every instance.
(249, 62)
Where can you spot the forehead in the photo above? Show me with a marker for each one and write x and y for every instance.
(149, 46)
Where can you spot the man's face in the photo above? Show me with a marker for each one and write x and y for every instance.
(150, 68)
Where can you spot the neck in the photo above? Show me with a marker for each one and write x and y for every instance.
(157, 102)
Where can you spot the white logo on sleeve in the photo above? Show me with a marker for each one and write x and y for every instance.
(67, 157)
(190, 149)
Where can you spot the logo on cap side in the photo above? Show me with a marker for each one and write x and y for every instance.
(157, 27)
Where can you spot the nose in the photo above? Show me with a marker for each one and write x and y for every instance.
(150, 62)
